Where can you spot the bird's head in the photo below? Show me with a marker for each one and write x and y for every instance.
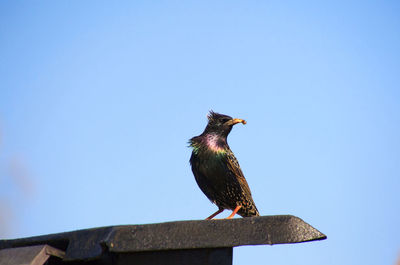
(221, 124)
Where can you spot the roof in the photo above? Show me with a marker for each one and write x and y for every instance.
(91, 243)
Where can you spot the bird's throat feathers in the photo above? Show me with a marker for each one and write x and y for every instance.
(209, 142)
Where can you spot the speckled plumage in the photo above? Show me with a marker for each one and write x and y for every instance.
(216, 169)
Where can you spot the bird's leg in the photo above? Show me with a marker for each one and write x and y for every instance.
(234, 212)
(220, 210)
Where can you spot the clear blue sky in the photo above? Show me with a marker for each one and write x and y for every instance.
(98, 100)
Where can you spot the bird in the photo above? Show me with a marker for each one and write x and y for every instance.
(217, 171)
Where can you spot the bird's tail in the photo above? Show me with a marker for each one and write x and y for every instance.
(251, 211)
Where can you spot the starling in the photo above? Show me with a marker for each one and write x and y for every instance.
(216, 170)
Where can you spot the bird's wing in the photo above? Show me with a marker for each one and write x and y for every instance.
(234, 167)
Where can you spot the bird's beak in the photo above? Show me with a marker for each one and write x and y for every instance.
(235, 121)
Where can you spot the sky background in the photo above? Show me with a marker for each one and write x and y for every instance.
(98, 100)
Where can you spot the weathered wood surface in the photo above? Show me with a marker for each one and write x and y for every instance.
(30, 255)
(180, 235)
